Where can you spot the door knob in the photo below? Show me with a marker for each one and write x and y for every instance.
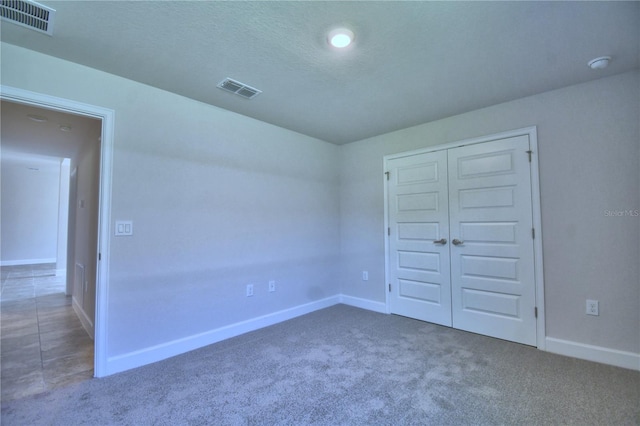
(457, 242)
(442, 241)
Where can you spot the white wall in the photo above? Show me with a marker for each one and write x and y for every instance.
(29, 212)
(589, 143)
(85, 224)
(218, 201)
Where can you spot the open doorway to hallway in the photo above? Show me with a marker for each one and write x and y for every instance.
(47, 307)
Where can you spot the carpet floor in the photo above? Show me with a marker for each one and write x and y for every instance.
(347, 366)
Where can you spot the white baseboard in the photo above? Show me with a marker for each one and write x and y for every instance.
(367, 304)
(26, 262)
(86, 322)
(119, 363)
(599, 354)
(156, 353)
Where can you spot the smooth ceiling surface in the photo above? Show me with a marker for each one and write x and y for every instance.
(22, 137)
(412, 62)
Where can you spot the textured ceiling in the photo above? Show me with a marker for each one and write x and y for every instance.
(412, 62)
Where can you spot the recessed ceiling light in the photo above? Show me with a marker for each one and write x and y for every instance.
(65, 128)
(340, 38)
(599, 63)
(37, 118)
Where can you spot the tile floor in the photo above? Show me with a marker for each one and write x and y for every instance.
(43, 344)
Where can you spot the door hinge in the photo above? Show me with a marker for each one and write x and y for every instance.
(533, 233)
(389, 231)
(535, 311)
(529, 152)
(387, 173)
(99, 256)
(389, 287)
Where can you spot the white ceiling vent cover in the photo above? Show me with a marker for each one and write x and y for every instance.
(28, 14)
(238, 88)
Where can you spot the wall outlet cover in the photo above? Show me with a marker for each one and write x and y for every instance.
(592, 307)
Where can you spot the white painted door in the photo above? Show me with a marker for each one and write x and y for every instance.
(460, 238)
(492, 258)
(418, 218)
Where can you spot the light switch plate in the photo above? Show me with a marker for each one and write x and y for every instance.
(124, 227)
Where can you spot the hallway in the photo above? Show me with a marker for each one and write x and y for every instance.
(44, 345)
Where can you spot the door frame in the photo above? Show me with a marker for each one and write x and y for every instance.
(107, 116)
(531, 132)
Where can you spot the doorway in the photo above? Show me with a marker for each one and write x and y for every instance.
(100, 247)
(48, 342)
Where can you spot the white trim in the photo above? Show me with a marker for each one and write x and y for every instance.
(86, 322)
(367, 304)
(630, 360)
(387, 281)
(531, 133)
(166, 350)
(471, 141)
(104, 216)
(27, 262)
(62, 229)
(61, 272)
(537, 241)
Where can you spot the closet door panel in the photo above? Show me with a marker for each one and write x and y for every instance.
(492, 271)
(418, 237)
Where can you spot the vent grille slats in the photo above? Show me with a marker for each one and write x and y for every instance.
(28, 14)
(240, 89)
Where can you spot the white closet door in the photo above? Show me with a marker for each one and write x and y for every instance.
(492, 259)
(418, 237)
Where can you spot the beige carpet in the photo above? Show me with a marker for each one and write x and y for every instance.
(346, 366)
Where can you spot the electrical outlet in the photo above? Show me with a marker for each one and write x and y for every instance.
(592, 307)
(249, 290)
(365, 276)
(272, 286)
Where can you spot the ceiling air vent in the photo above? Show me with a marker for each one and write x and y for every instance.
(238, 88)
(28, 14)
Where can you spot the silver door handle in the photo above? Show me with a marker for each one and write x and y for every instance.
(457, 242)
(442, 241)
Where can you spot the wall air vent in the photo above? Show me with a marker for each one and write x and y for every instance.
(238, 88)
(28, 14)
